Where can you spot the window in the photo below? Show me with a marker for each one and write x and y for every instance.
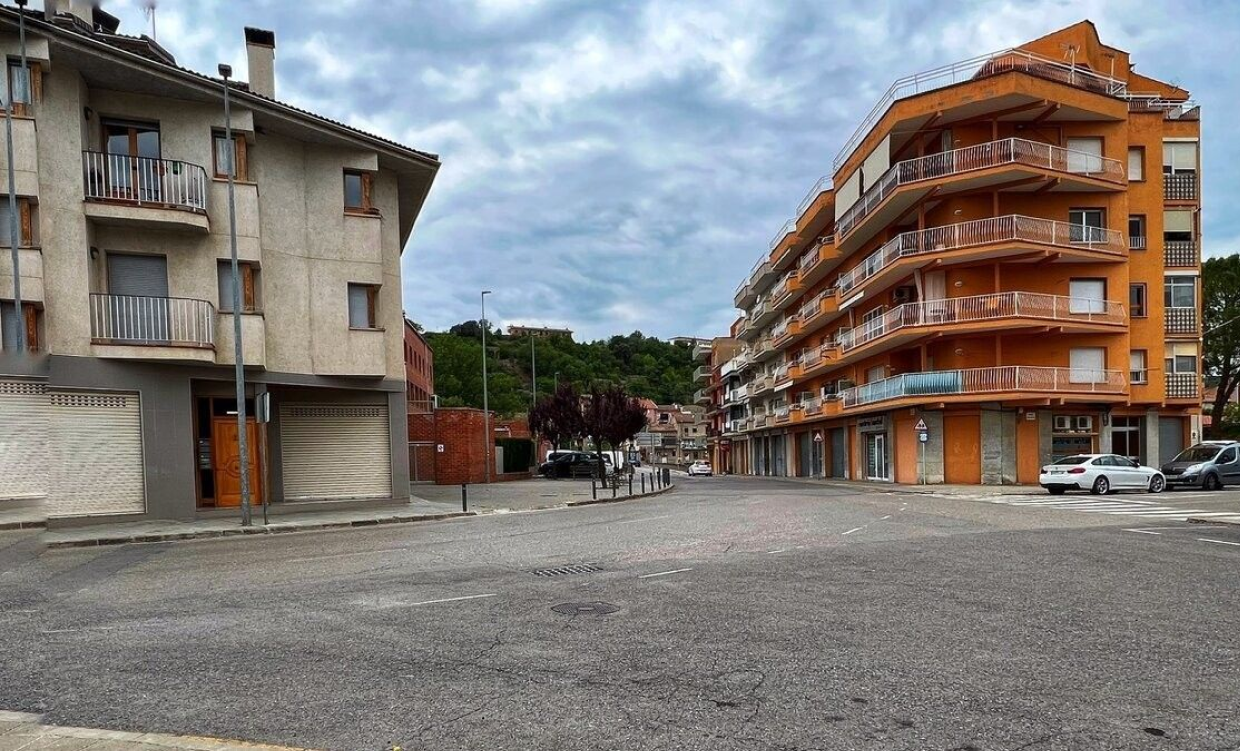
(1137, 300)
(876, 373)
(1179, 157)
(1136, 231)
(1087, 296)
(363, 299)
(22, 86)
(248, 274)
(1180, 292)
(25, 222)
(9, 321)
(1138, 366)
(1088, 225)
(1177, 226)
(1088, 365)
(1085, 155)
(226, 159)
(358, 188)
(1181, 357)
(1136, 163)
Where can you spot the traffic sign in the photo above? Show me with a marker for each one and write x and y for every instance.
(921, 426)
(817, 437)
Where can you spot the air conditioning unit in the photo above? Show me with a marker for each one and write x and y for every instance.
(1063, 423)
(1083, 423)
(844, 383)
(901, 295)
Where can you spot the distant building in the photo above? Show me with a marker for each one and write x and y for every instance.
(419, 370)
(689, 341)
(542, 332)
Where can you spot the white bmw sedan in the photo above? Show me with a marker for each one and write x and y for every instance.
(1100, 474)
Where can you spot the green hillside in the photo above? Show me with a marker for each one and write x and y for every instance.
(644, 366)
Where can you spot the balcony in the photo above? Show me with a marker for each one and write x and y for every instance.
(816, 262)
(138, 191)
(1014, 380)
(1004, 310)
(789, 227)
(761, 384)
(701, 373)
(785, 330)
(984, 165)
(736, 395)
(993, 64)
(823, 185)
(124, 323)
(1181, 254)
(762, 313)
(783, 293)
(816, 360)
(744, 296)
(1136, 243)
(985, 239)
(763, 350)
(783, 415)
(760, 421)
(1183, 385)
(701, 396)
(811, 407)
(1181, 320)
(1181, 186)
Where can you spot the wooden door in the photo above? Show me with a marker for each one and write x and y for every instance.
(962, 449)
(226, 461)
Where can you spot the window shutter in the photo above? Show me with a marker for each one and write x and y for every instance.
(36, 83)
(1177, 221)
(359, 306)
(27, 236)
(368, 191)
(32, 327)
(247, 288)
(1136, 164)
(243, 159)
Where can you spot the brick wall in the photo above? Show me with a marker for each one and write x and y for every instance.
(460, 431)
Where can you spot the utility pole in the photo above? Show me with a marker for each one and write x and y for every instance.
(533, 375)
(19, 329)
(242, 439)
(486, 409)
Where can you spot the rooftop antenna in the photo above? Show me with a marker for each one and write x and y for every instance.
(148, 10)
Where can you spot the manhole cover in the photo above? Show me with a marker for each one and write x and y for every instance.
(578, 568)
(585, 608)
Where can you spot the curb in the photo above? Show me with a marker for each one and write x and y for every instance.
(618, 499)
(271, 529)
(1219, 522)
(7, 526)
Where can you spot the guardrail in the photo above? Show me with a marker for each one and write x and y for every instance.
(158, 321)
(1001, 379)
(144, 181)
(980, 156)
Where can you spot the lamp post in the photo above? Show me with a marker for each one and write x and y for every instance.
(19, 328)
(533, 375)
(243, 447)
(486, 409)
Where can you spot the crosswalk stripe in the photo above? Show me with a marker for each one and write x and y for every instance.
(1213, 513)
(1153, 513)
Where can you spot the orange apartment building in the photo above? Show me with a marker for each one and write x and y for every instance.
(1006, 255)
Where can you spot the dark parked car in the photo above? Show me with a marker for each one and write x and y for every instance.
(575, 464)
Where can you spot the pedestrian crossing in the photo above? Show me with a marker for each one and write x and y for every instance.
(1135, 508)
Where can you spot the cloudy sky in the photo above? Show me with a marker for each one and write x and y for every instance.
(620, 165)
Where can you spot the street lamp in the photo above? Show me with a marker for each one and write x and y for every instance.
(19, 327)
(533, 374)
(242, 439)
(486, 409)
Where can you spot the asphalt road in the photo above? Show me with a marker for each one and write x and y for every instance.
(749, 614)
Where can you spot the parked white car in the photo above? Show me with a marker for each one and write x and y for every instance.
(1100, 474)
(700, 469)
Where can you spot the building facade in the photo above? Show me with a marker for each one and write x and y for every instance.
(714, 356)
(419, 371)
(539, 332)
(126, 409)
(1005, 260)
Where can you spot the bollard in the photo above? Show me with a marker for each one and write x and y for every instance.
(615, 483)
(464, 499)
(630, 483)
(593, 488)
(643, 484)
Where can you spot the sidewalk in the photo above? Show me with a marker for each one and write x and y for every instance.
(963, 491)
(525, 495)
(20, 731)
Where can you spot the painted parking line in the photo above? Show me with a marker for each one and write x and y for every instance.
(854, 529)
(1143, 531)
(452, 599)
(1218, 542)
(665, 573)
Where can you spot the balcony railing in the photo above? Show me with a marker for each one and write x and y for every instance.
(152, 321)
(760, 421)
(143, 181)
(789, 227)
(1012, 228)
(811, 407)
(738, 394)
(996, 380)
(1001, 305)
(1183, 385)
(981, 156)
(782, 414)
(1182, 186)
(1180, 253)
(702, 371)
(784, 285)
(1181, 321)
(983, 66)
(1136, 243)
(781, 372)
(823, 184)
(701, 397)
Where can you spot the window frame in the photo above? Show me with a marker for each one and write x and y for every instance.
(249, 272)
(1144, 369)
(1143, 289)
(372, 306)
(1170, 148)
(25, 220)
(241, 161)
(1140, 151)
(1171, 283)
(367, 206)
(1143, 226)
(34, 85)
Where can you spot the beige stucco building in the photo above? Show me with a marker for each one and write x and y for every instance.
(126, 406)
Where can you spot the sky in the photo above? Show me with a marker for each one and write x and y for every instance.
(619, 166)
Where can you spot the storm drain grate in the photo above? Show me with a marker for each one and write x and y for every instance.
(585, 608)
(576, 568)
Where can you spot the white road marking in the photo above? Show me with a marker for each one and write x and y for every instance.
(665, 573)
(77, 630)
(1143, 531)
(1218, 542)
(773, 552)
(855, 529)
(885, 518)
(451, 599)
(1154, 512)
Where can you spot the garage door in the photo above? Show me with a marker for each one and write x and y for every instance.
(95, 442)
(23, 440)
(335, 451)
(1170, 438)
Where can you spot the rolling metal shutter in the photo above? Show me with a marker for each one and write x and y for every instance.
(23, 440)
(335, 451)
(96, 444)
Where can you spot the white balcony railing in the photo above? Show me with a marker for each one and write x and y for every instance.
(143, 181)
(152, 321)
(983, 308)
(789, 227)
(970, 158)
(1010, 228)
(983, 66)
(823, 184)
(996, 380)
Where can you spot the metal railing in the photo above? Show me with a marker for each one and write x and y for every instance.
(1181, 186)
(759, 384)
(781, 328)
(144, 181)
(982, 308)
(1180, 253)
(781, 372)
(1172, 109)
(785, 284)
(811, 407)
(702, 371)
(783, 414)
(740, 393)
(158, 321)
(789, 227)
(1136, 243)
(1181, 320)
(995, 63)
(983, 232)
(1136, 377)
(1182, 385)
(823, 185)
(980, 156)
(700, 396)
(1001, 379)
(759, 421)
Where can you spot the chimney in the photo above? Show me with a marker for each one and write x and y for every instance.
(83, 10)
(260, 50)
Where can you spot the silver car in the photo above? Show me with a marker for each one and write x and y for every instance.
(1100, 474)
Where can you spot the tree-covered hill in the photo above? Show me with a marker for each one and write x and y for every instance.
(642, 365)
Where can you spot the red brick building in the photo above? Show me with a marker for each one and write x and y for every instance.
(419, 370)
(446, 446)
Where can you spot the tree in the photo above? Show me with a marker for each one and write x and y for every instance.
(1220, 278)
(558, 417)
(612, 415)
